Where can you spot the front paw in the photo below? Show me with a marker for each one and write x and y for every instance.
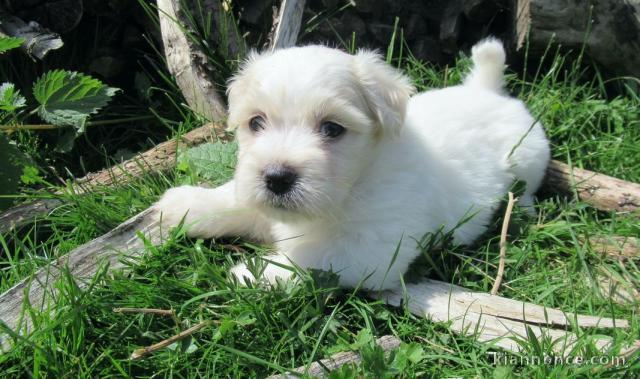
(176, 205)
(242, 274)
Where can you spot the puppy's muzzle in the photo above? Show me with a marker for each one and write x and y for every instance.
(280, 179)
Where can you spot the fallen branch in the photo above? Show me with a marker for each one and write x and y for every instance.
(161, 157)
(322, 368)
(186, 60)
(38, 40)
(503, 244)
(601, 191)
(619, 287)
(615, 246)
(497, 320)
(39, 289)
(286, 26)
(143, 352)
(153, 311)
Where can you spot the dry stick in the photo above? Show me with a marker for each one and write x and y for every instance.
(161, 312)
(187, 62)
(320, 369)
(503, 244)
(615, 246)
(142, 352)
(497, 320)
(604, 192)
(287, 25)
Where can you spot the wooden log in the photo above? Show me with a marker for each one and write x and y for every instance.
(161, 157)
(615, 246)
(608, 29)
(38, 41)
(497, 319)
(83, 262)
(287, 25)
(188, 63)
(322, 368)
(601, 191)
(617, 287)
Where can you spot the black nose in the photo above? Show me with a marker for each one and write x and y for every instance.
(280, 179)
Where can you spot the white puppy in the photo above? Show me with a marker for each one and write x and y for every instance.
(343, 170)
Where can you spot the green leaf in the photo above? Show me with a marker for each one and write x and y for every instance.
(8, 43)
(30, 175)
(68, 98)
(10, 98)
(214, 162)
(363, 338)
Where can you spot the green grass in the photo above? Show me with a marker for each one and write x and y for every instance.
(257, 332)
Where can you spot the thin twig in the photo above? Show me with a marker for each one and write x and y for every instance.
(435, 344)
(143, 352)
(12, 128)
(503, 244)
(162, 312)
(321, 368)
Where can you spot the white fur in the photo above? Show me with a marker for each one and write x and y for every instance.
(406, 165)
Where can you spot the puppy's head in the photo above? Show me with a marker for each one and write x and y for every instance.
(307, 121)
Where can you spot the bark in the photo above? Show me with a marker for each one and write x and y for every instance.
(615, 246)
(187, 62)
(39, 290)
(609, 30)
(603, 192)
(287, 25)
(498, 320)
(322, 368)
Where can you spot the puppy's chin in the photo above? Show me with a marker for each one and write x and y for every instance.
(286, 208)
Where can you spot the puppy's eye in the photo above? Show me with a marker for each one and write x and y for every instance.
(256, 124)
(331, 130)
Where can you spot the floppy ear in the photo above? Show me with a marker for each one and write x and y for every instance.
(385, 89)
(238, 86)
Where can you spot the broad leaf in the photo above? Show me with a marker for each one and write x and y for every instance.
(10, 98)
(8, 43)
(69, 98)
(214, 162)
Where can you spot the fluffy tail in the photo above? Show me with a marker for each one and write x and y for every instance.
(488, 58)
